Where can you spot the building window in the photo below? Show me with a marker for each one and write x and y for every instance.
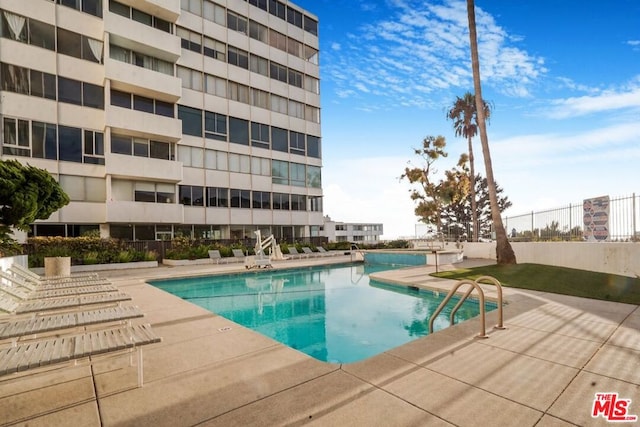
(142, 103)
(298, 202)
(238, 57)
(14, 78)
(280, 172)
(215, 126)
(261, 200)
(191, 195)
(236, 22)
(238, 92)
(216, 86)
(259, 98)
(296, 143)
(191, 120)
(278, 72)
(141, 147)
(215, 49)
(92, 7)
(70, 144)
(260, 135)
(153, 192)
(215, 13)
(238, 131)
(294, 17)
(16, 137)
(84, 189)
(315, 203)
(217, 197)
(314, 177)
(139, 16)
(313, 146)
(259, 65)
(93, 147)
(279, 139)
(240, 198)
(145, 61)
(281, 201)
(297, 174)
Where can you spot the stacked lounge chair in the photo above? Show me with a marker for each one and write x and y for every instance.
(43, 318)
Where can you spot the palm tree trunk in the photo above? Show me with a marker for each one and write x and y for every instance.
(504, 252)
(472, 191)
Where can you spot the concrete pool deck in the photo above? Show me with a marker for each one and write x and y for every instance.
(543, 370)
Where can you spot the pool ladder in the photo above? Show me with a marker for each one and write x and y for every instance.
(474, 285)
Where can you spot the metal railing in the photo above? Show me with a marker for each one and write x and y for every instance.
(475, 285)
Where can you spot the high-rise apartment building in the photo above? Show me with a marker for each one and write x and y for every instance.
(167, 117)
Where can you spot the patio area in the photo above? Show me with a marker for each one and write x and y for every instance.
(544, 369)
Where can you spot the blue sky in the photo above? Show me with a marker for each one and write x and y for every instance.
(563, 77)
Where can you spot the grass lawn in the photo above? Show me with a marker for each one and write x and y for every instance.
(559, 280)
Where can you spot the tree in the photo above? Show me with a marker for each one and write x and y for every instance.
(457, 215)
(431, 195)
(465, 123)
(504, 251)
(26, 194)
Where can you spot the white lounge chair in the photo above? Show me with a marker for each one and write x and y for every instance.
(215, 256)
(310, 253)
(15, 329)
(238, 255)
(38, 354)
(25, 273)
(31, 286)
(21, 290)
(293, 252)
(10, 305)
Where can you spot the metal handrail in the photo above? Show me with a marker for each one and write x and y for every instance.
(474, 285)
(496, 282)
(451, 293)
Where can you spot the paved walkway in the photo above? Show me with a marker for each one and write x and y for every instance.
(543, 370)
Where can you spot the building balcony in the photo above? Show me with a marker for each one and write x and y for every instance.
(149, 125)
(142, 168)
(142, 81)
(140, 212)
(168, 10)
(142, 38)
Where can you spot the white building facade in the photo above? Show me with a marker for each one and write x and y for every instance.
(167, 117)
(367, 233)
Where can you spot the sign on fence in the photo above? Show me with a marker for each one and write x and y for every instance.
(596, 219)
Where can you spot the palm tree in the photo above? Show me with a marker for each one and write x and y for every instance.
(504, 251)
(465, 123)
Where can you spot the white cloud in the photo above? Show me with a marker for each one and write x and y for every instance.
(583, 105)
(424, 47)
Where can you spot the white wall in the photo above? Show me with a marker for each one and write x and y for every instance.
(615, 258)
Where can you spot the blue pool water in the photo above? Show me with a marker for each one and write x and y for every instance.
(332, 313)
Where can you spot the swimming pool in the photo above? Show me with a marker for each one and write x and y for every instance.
(333, 313)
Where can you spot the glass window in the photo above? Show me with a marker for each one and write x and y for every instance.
(294, 17)
(144, 192)
(259, 135)
(314, 177)
(141, 17)
(14, 78)
(161, 150)
(215, 49)
(297, 142)
(240, 198)
(42, 35)
(298, 174)
(215, 126)
(119, 9)
(238, 131)
(313, 146)
(277, 8)
(298, 202)
(120, 99)
(217, 197)
(17, 30)
(44, 140)
(311, 25)
(236, 22)
(120, 144)
(280, 172)
(69, 91)
(92, 7)
(142, 103)
(140, 147)
(281, 201)
(92, 96)
(43, 85)
(191, 120)
(184, 194)
(258, 31)
(261, 200)
(69, 43)
(165, 109)
(279, 139)
(278, 72)
(259, 65)
(70, 144)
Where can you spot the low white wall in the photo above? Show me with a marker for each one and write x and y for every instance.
(6, 262)
(614, 258)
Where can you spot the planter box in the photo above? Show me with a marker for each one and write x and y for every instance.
(106, 267)
(177, 262)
